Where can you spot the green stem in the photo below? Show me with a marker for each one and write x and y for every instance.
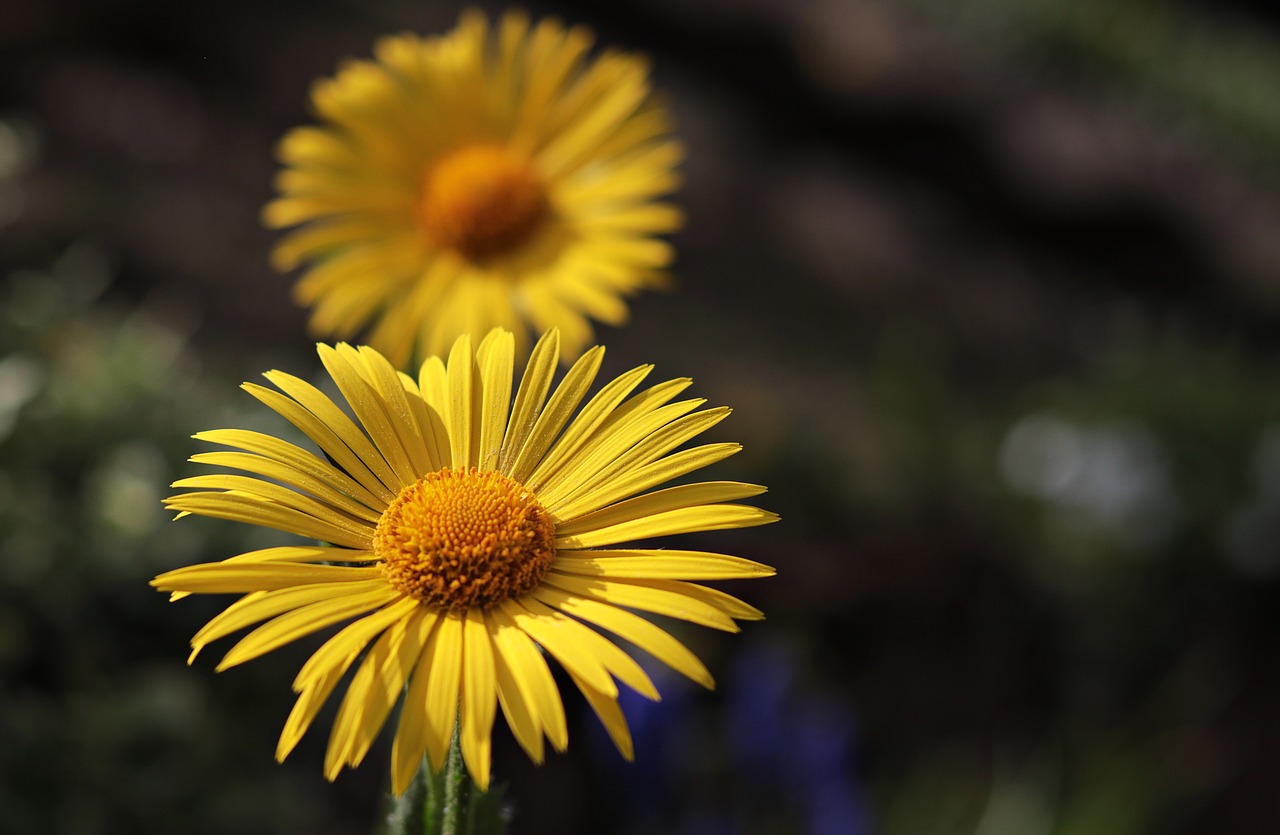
(444, 802)
(412, 811)
(457, 791)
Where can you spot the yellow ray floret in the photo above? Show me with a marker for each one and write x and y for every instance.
(493, 176)
(474, 536)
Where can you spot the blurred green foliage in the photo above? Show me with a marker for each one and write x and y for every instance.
(104, 729)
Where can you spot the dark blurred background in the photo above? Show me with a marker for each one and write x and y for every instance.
(992, 285)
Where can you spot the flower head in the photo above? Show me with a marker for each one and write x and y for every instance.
(470, 537)
(489, 177)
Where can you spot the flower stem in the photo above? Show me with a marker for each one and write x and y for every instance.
(457, 785)
(445, 802)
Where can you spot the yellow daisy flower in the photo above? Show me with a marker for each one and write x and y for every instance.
(469, 535)
(486, 178)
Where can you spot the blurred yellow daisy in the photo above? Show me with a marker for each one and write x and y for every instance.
(468, 535)
(491, 177)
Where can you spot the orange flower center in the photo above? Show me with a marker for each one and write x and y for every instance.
(463, 538)
(482, 200)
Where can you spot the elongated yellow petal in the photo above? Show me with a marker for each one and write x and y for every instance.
(648, 637)
(345, 735)
(531, 675)
(496, 357)
(241, 578)
(554, 635)
(321, 408)
(405, 413)
(294, 458)
(534, 386)
(343, 648)
(237, 507)
(433, 381)
(519, 713)
(606, 707)
(320, 484)
(556, 414)
(307, 243)
(549, 312)
(585, 424)
(636, 595)
(413, 731)
(725, 602)
(659, 565)
(375, 690)
(619, 420)
(290, 626)
(633, 444)
(372, 411)
(608, 654)
(329, 441)
(625, 94)
(310, 700)
(261, 605)
(479, 693)
(430, 425)
(611, 461)
(443, 657)
(711, 517)
(642, 478)
(278, 494)
(463, 406)
(312, 554)
(672, 498)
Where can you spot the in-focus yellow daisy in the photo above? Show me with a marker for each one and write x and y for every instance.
(468, 535)
(491, 177)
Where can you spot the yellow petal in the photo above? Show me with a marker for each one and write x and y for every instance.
(443, 658)
(244, 577)
(712, 517)
(647, 437)
(325, 668)
(269, 492)
(295, 458)
(553, 418)
(237, 507)
(529, 398)
(320, 484)
(373, 413)
(346, 445)
(496, 357)
(672, 498)
(645, 635)
(375, 688)
(659, 565)
(586, 423)
(479, 691)
(413, 731)
(290, 626)
(626, 484)
(530, 673)
(347, 644)
(405, 412)
(608, 654)
(463, 408)
(606, 707)
(638, 594)
(519, 713)
(727, 603)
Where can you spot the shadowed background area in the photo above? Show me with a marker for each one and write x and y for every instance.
(992, 287)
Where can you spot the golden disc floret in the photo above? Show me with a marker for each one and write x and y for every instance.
(459, 539)
(482, 201)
